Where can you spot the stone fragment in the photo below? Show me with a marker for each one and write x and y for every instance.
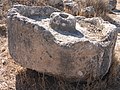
(62, 21)
(112, 4)
(88, 11)
(3, 62)
(35, 44)
(2, 29)
(2, 49)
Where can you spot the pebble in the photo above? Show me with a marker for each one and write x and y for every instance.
(3, 49)
(3, 62)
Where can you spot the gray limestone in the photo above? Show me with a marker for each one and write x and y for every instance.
(88, 11)
(35, 43)
(62, 21)
(112, 4)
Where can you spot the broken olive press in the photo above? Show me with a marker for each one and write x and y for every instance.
(50, 41)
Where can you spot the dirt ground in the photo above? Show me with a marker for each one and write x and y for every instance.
(15, 77)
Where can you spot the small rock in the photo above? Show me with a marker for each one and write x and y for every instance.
(88, 11)
(3, 29)
(2, 26)
(112, 4)
(80, 73)
(3, 62)
(3, 49)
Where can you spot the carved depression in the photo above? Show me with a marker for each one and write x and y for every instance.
(48, 40)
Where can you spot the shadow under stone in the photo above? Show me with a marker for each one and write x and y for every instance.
(32, 80)
(116, 11)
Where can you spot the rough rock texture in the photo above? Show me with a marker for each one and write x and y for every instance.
(88, 11)
(62, 21)
(56, 3)
(84, 53)
(112, 4)
(71, 7)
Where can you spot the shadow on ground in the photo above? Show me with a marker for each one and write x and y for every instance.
(113, 79)
(32, 80)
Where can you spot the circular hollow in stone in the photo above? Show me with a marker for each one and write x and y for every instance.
(81, 55)
(62, 21)
(63, 15)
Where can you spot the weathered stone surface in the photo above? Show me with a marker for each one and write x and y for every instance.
(88, 11)
(2, 29)
(84, 53)
(63, 21)
(112, 4)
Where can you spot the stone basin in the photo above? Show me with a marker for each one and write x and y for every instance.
(53, 42)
